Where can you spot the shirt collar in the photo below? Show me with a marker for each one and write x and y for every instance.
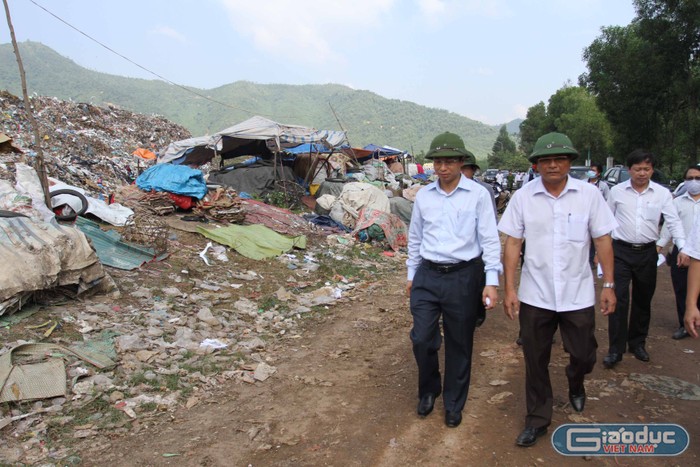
(687, 195)
(628, 185)
(464, 184)
(570, 185)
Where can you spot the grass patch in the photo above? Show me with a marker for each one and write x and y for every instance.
(268, 302)
(353, 268)
(172, 382)
(138, 378)
(148, 407)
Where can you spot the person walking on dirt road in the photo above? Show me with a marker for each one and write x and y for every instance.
(692, 313)
(558, 215)
(688, 207)
(637, 205)
(452, 229)
(469, 168)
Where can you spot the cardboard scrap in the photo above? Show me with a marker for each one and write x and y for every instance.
(39, 380)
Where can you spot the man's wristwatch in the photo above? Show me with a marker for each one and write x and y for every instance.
(608, 285)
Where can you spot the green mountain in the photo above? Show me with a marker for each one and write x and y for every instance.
(366, 116)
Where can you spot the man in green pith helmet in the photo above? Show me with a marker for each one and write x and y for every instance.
(452, 228)
(469, 168)
(558, 215)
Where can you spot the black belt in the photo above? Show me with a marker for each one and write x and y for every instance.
(636, 246)
(448, 267)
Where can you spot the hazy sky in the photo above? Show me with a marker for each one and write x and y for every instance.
(487, 60)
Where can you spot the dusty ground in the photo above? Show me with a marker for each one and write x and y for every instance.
(345, 392)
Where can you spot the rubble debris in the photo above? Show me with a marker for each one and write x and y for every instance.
(85, 145)
(157, 202)
(223, 205)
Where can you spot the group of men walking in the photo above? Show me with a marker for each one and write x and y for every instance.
(454, 264)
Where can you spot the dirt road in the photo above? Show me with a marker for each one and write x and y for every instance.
(345, 394)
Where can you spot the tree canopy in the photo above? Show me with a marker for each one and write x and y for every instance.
(504, 153)
(572, 110)
(646, 79)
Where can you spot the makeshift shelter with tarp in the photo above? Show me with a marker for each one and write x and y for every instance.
(257, 136)
(381, 152)
(314, 163)
(393, 157)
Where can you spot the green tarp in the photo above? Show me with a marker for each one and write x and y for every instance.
(113, 251)
(254, 241)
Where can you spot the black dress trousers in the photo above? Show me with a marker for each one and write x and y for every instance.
(638, 268)
(679, 279)
(454, 296)
(537, 328)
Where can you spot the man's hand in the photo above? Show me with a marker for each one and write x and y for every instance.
(692, 320)
(489, 297)
(608, 300)
(408, 288)
(511, 304)
(683, 260)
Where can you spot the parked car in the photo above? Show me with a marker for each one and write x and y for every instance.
(490, 175)
(579, 171)
(619, 174)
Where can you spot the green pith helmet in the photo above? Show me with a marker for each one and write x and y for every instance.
(470, 160)
(553, 144)
(447, 145)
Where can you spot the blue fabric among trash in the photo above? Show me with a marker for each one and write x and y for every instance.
(178, 179)
(325, 221)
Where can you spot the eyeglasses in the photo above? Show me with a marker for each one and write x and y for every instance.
(692, 178)
(446, 162)
(549, 160)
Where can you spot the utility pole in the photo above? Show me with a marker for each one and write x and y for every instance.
(39, 162)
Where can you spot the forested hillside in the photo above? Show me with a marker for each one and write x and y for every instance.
(366, 116)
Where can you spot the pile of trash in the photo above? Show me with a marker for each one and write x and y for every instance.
(84, 145)
(182, 329)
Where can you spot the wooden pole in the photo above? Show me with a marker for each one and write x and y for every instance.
(39, 162)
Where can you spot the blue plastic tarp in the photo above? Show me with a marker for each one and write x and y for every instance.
(178, 179)
(383, 151)
(313, 148)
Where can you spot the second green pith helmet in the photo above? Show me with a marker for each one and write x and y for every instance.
(553, 144)
(447, 145)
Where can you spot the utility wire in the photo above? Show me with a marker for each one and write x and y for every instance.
(147, 70)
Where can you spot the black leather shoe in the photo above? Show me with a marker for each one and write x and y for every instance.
(611, 360)
(680, 333)
(578, 399)
(425, 405)
(453, 419)
(640, 353)
(529, 436)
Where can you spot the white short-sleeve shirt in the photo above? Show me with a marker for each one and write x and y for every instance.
(556, 274)
(692, 245)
